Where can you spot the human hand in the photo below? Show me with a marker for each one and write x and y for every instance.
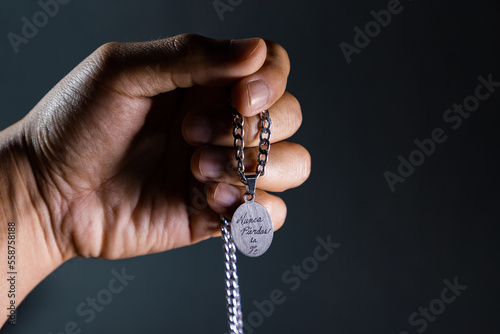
(124, 147)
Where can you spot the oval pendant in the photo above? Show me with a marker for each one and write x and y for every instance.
(252, 229)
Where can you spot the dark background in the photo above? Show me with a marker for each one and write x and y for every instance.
(397, 247)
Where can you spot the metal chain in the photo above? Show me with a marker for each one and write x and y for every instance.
(264, 144)
(233, 298)
(239, 143)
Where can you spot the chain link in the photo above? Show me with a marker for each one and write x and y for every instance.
(239, 143)
(264, 144)
(233, 298)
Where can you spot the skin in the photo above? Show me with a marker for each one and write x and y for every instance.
(131, 153)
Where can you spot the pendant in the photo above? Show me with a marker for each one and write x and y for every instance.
(251, 226)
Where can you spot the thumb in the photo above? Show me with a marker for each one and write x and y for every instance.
(151, 68)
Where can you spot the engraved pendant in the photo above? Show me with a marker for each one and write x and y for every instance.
(252, 228)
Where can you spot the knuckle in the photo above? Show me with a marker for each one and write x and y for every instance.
(279, 213)
(287, 115)
(280, 54)
(109, 52)
(301, 162)
(295, 121)
(305, 169)
(285, 62)
(109, 59)
(109, 48)
(183, 44)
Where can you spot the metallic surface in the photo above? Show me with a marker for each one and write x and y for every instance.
(252, 229)
(252, 225)
(233, 298)
(264, 144)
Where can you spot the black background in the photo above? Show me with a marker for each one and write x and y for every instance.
(396, 248)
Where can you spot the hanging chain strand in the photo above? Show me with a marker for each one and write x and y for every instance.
(233, 298)
(264, 144)
(239, 143)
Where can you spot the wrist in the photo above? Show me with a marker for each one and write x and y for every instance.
(35, 252)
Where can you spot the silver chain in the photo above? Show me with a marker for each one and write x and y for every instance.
(233, 297)
(264, 144)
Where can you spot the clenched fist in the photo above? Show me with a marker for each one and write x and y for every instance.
(132, 153)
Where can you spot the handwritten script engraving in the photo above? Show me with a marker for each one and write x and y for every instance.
(252, 229)
(244, 220)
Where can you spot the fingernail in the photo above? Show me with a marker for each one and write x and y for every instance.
(211, 163)
(258, 94)
(243, 48)
(226, 195)
(198, 129)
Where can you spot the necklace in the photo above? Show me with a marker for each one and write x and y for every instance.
(251, 228)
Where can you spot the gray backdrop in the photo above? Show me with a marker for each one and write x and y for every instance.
(401, 259)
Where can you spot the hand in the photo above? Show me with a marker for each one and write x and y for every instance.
(125, 147)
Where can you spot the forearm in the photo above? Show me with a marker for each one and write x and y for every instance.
(27, 254)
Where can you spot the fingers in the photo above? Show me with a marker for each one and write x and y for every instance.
(213, 125)
(289, 166)
(147, 69)
(262, 89)
(225, 199)
(151, 68)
